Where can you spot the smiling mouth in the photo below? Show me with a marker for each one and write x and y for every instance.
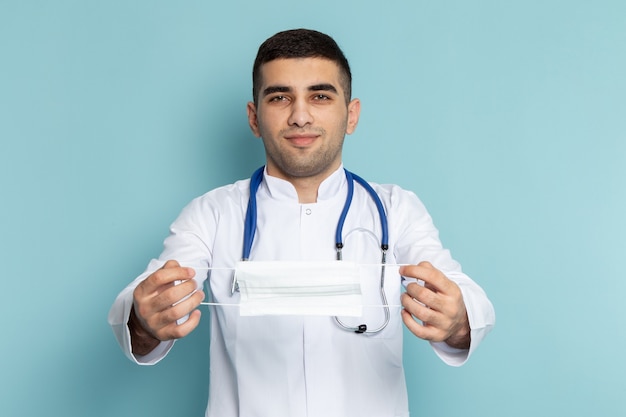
(301, 140)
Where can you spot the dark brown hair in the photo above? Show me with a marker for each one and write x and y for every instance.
(301, 43)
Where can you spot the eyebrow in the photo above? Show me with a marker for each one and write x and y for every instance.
(323, 87)
(276, 89)
(284, 89)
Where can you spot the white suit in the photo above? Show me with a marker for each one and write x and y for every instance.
(299, 366)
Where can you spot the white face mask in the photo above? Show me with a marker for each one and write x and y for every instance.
(299, 288)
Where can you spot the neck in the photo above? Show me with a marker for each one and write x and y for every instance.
(306, 187)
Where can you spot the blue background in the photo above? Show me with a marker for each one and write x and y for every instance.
(507, 118)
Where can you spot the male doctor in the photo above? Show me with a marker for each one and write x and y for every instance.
(303, 365)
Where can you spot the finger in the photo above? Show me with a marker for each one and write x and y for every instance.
(167, 275)
(425, 271)
(426, 296)
(176, 331)
(450, 305)
(170, 264)
(171, 271)
(177, 311)
(421, 311)
(438, 323)
(422, 330)
(173, 313)
(173, 295)
(158, 292)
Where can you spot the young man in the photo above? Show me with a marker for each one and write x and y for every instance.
(304, 365)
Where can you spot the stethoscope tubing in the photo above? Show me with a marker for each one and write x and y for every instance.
(250, 230)
(250, 220)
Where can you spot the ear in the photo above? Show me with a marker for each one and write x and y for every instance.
(253, 119)
(354, 111)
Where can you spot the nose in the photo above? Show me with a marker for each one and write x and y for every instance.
(300, 114)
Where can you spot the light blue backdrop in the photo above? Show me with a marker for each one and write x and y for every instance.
(507, 118)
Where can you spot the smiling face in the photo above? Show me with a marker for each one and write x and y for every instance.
(302, 116)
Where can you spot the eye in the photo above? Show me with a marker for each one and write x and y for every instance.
(277, 99)
(321, 97)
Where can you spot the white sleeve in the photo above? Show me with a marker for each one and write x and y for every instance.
(418, 240)
(187, 244)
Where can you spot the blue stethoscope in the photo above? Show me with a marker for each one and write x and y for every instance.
(250, 230)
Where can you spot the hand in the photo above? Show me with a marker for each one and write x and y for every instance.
(442, 310)
(157, 306)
